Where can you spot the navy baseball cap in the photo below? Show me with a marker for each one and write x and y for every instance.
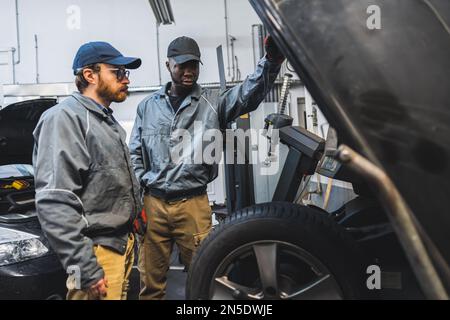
(102, 52)
(184, 49)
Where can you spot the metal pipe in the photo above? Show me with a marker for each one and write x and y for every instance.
(7, 50)
(238, 71)
(232, 39)
(227, 36)
(441, 265)
(209, 85)
(66, 88)
(253, 44)
(17, 32)
(158, 53)
(257, 40)
(13, 65)
(37, 57)
(401, 219)
(262, 35)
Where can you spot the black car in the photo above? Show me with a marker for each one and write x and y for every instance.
(29, 269)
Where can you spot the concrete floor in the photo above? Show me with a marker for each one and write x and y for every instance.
(176, 281)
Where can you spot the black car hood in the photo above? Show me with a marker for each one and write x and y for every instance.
(386, 91)
(17, 122)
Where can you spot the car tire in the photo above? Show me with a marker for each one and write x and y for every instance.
(291, 235)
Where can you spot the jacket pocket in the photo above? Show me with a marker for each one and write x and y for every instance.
(146, 156)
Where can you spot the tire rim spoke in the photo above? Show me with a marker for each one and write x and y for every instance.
(266, 258)
(324, 288)
(225, 289)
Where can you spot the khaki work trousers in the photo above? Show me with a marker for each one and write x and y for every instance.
(186, 222)
(117, 270)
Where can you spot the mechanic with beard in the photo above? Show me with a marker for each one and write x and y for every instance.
(87, 195)
(175, 199)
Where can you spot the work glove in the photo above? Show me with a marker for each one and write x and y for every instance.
(273, 53)
(140, 223)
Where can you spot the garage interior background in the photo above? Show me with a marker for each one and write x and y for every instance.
(40, 38)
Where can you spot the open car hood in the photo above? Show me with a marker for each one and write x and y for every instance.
(386, 91)
(17, 122)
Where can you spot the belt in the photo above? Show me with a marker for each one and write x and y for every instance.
(176, 196)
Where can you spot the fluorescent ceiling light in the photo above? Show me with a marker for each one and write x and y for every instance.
(163, 11)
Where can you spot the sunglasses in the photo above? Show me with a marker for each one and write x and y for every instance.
(120, 73)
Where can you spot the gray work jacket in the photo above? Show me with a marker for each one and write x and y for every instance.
(86, 189)
(153, 139)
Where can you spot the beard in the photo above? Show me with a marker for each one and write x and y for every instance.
(108, 94)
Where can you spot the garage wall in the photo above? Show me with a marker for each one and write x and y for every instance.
(128, 25)
(61, 26)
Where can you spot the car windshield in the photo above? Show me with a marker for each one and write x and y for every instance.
(16, 170)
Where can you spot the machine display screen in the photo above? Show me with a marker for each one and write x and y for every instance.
(330, 164)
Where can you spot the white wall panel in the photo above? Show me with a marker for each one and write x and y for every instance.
(129, 26)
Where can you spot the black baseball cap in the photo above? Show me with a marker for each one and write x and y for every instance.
(184, 49)
(102, 52)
